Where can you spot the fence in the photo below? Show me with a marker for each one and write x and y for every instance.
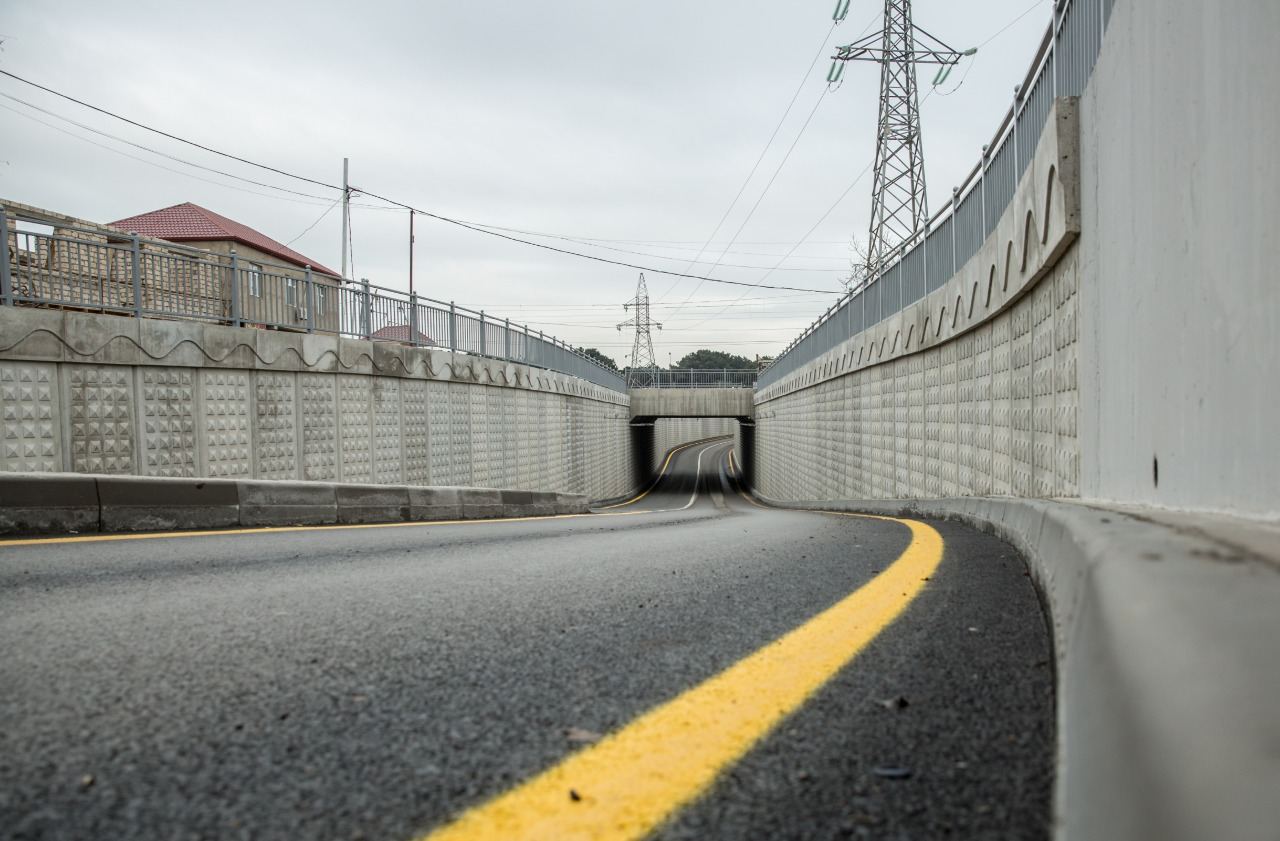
(57, 264)
(693, 378)
(932, 255)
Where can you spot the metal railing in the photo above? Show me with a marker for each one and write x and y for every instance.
(693, 378)
(53, 263)
(947, 241)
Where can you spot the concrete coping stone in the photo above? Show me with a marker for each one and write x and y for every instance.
(1168, 670)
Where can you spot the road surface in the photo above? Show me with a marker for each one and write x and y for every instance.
(755, 673)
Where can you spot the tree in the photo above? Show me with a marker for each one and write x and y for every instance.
(715, 359)
(599, 357)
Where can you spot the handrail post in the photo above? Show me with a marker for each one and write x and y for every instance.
(506, 340)
(366, 309)
(453, 328)
(1013, 132)
(311, 301)
(236, 320)
(136, 249)
(1052, 63)
(6, 280)
(902, 279)
(483, 343)
(955, 205)
(982, 189)
(413, 319)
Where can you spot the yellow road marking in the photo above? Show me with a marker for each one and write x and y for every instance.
(628, 784)
(98, 538)
(661, 472)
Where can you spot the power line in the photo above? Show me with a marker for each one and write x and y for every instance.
(760, 158)
(438, 217)
(125, 154)
(821, 219)
(764, 193)
(165, 133)
(157, 152)
(327, 210)
(590, 244)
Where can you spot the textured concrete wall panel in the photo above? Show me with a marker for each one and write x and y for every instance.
(275, 433)
(29, 403)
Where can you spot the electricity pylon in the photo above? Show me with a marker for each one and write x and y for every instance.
(899, 206)
(644, 364)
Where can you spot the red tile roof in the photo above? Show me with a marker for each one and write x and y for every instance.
(189, 222)
(399, 333)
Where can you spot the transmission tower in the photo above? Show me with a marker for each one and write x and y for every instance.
(644, 364)
(899, 206)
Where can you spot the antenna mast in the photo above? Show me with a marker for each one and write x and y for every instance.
(644, 363)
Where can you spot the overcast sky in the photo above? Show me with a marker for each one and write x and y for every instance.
(631, 124)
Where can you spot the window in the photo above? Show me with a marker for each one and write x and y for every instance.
(253, 276)
(291, 291)
(322, 292)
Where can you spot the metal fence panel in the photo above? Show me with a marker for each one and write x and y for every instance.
(49, 263)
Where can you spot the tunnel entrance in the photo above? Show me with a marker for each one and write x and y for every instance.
(652, 437)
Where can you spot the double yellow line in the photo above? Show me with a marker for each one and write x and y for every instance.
(628, 784)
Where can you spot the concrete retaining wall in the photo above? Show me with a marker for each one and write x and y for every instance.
(62, 503)
(1110, 339)
(89, 393)
(971, 390)
(1179, 293)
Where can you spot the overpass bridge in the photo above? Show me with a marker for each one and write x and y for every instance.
(1064, 366)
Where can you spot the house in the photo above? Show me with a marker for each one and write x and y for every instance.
(180, 263)
(402, 333)
(272, 276)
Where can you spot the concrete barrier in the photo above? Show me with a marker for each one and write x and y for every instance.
(435, 503)
(267, 503)
(1168, 673)
(47, 504)
(56, 503)
(132, 503)
(372, 503)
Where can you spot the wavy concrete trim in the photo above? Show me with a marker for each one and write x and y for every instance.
(52, 335)
(1039, 225)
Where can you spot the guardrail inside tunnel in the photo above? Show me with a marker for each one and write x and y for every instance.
(693, 378)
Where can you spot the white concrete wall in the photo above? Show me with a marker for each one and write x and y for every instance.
(100, 394)
(971, 390)
(672, 432)
(1180, 262)
(692, 402)
(1152, 336)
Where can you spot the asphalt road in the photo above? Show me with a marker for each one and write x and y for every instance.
(378, 682)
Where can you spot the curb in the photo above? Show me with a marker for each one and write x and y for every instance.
(62, 503)
(1167, 666)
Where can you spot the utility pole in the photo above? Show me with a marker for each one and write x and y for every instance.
(346, 216)
(411, 251)
(899, 206)
(644, 364)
